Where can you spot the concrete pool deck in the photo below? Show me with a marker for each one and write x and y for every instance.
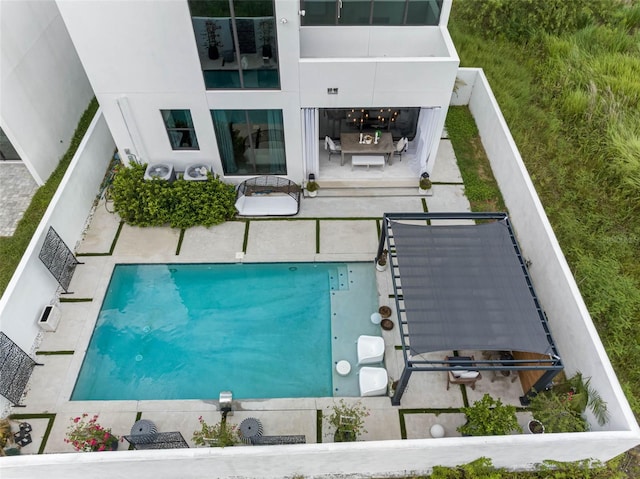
(340, 228)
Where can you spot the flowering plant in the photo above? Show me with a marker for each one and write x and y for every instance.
(87, 435)
(348, 420)
(219, 435)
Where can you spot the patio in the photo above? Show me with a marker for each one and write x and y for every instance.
(336, 228)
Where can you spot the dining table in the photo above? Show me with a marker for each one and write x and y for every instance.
(350, 144)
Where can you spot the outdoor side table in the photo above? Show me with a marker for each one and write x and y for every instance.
(250, 428)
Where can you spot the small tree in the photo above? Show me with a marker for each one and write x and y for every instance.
(221, 434)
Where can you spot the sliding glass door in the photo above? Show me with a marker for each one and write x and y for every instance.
(250, 141)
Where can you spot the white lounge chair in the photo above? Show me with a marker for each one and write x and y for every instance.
(373, 381)
(370, 349)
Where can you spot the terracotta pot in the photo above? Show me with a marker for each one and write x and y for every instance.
(385, 312)
(386, 324)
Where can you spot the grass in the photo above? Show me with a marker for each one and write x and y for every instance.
(13, 247)
(571, 101)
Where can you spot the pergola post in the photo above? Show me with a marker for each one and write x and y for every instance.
(383, 237)
(540, 385)
(402, 385)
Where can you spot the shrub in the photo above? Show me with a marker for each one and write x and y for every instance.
(87, 435)
(221, 434)
(489, 417)
(181, 204)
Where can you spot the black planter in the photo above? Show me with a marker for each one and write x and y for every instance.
(344, 436)
(213, 52)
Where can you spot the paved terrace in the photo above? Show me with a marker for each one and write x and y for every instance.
(336, 228)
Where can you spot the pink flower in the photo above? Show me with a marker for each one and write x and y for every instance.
(101, 448)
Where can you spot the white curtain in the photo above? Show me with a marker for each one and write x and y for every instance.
(426, 135)
(276, 143)
(311, 145)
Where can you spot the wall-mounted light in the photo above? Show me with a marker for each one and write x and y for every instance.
(302, 13)
(332, 91)
(284, 20)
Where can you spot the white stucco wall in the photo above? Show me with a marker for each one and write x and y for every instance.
(151, 59)
(569, 320)
(32, 287)
(43, 87)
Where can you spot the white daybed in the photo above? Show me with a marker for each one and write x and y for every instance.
(268, 196)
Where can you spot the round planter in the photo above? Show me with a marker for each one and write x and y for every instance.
(535, 427)
(386, 324)
(381, 267)
(344, 436)
(385, 312)
(312, 194)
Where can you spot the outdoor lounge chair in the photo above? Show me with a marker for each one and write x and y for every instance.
(373, 381)
(370, 349)
(465, 374)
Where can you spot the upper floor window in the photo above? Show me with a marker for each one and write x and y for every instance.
(237, 43)
(7, 151)
(182, 134)
(371, 12)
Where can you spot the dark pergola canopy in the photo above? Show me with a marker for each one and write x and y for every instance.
(464, 287)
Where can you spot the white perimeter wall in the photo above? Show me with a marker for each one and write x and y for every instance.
(32, 286)
(43, 87)
(571, 327)
(578, 342)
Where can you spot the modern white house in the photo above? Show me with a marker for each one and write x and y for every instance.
(255, 88)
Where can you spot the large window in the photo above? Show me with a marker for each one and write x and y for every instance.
(182, 135)
(236, 43)
(401, 122)
(371, 12)
(250, 141)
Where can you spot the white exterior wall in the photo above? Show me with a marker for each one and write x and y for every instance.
(146, 52)
(32, 287)
(43, 87)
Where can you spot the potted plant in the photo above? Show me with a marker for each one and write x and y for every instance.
(6, 436)
(561, 408)
(212, 37)
(266, 29)
(489, 417)
(535, 427)
(348, 420)
(381, 262)
(221, 434)
(88, 435)
(312, 188)
(425, 184)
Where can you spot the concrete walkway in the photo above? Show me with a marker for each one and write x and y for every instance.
(341, 229)
(17, 187)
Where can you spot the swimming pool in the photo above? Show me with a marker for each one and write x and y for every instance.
(189, 331)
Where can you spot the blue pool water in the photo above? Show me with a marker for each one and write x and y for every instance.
(177, 331)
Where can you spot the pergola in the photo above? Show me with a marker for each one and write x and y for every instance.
(464, 287)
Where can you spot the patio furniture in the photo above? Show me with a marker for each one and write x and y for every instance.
(268, 196)
(250, 429)
(401, 147)
(343, 367)
(144, 431)
(331, 145)
(162, 440)
(367, 160)
(278, 440)
(373, 381)
(370, 349)
(350, 144)
(465, 374)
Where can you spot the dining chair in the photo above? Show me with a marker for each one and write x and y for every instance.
(401, 147)
(465, 374)
(334, 149)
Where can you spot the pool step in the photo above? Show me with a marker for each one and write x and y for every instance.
(339, 279)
